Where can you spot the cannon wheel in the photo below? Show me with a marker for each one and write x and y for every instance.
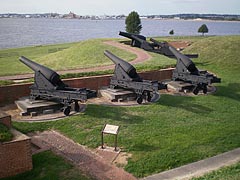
(139, 100)
(205, 89)
(34, 97)
(112, 86)
(195, 90)
(149, 96)
(67, 110)
(133, 43)
(76, 106)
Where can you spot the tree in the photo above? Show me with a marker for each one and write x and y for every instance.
(203, 29)
(171, 32)
(133, 23)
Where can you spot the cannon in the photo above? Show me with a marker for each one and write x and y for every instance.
(134, 37)
(48, 85)
(139, 41)
(187, 71)
(153, 46)
(125, 76)
(163, 48)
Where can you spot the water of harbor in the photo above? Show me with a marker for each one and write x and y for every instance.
(16, 32)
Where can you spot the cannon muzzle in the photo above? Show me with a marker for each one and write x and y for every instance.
(185, 60)
(50, 75)
(128, 68)
(131, 35)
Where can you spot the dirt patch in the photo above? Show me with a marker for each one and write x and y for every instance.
(180, 44)
(122, 159)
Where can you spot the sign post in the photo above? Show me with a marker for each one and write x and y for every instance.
(110, 129)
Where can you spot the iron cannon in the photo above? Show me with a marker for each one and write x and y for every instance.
(125, 76)
(154, 46)
(48, 85)
(187, 71)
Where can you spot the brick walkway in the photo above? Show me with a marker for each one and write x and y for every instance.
(87, 161)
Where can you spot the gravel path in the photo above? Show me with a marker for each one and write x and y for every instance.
(141, 57)
(87, 161)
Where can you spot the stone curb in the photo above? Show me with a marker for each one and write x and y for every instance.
(199, 168)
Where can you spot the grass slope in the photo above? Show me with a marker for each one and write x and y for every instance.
(47, 165)
(83, 55)
(9, 63)
(176, 130)
(60, 57)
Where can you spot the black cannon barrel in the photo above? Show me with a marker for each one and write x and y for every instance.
(51, 75)
(128, 68)
(161, 44)
(185, 60)
(164, 47)
(131, 35)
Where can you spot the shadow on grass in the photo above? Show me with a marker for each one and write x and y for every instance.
(113, 113)
(143, 147)
(202, 63)
(183, 102)
(127, 42)
(232, 91)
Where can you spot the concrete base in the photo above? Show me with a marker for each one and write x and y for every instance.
(186, 88)
(35, 107)
(179, 86)
(117, 95)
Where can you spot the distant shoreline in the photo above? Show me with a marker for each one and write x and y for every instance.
(147, 19)
(195, 20)
(72, 15)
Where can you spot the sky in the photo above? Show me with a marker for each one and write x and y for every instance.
(113, 7)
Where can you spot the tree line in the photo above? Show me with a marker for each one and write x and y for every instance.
(133, 25)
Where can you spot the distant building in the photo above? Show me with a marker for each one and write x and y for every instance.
(71, 15)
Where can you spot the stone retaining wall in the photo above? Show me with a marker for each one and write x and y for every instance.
(15, 155)
(5, 119)
(8, 94)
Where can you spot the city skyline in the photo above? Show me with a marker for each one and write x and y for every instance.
(143, 7)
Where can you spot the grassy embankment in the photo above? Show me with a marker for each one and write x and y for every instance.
(176, 130)
(60, 57)
(71, 56)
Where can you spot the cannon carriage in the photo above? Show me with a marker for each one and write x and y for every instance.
(125, 76)
(48, 85)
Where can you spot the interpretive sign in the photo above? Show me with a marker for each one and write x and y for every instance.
(110, 129)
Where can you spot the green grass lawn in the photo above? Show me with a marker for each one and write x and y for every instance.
(176, 130)
(225, 173)
(60, 57)
(5, 134)
(48, 166)
(9, 57)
